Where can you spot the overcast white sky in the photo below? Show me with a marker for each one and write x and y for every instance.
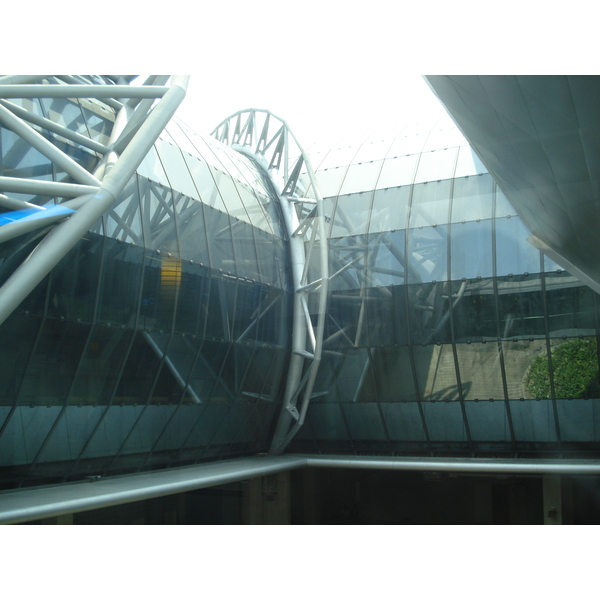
(325, 66)
(350, 104)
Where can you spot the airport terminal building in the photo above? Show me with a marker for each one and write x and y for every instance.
(238, 329)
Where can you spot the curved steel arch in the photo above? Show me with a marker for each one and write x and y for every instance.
(268, 140)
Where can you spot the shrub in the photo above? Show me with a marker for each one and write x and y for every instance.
(575, 368)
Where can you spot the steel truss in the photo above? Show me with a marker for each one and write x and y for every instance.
(140, 114)
(269, 141)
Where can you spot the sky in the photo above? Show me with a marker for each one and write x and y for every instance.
(353, 107)
(325, 66)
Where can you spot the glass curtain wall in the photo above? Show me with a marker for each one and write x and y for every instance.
(447, 331)
(162, 338)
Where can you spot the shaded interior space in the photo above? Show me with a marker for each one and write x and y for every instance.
(324, 496)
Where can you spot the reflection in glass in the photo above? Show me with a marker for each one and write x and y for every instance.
(514, 254)
(480, 373)
(430, 203)
(390, 209)
(427, 254)
(520, 307)
(471, 249)
(472, 198)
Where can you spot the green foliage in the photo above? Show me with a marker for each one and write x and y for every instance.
(575, 368)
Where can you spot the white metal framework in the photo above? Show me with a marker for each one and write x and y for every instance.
(269, 141)
(139, 119)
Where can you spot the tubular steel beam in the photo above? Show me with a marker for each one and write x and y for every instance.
(55, 128)
(63, 237)
(45, 188)
(24, 505)
(82, 91)
(47, 148)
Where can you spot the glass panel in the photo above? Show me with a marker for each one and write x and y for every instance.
(514, 254)
(121, 275)
(373, 149)
(343, 312)
(446, 135)
(204, 431)
(271, 258)
(245, 251)
(19, 159)
(429, 313)
(53, 364)
(175, 167)
(192, 300)
(474, 310)
(436, 165)
(152, 168)
(519, 357)
(143, 364)
(178, 428)
(328, 423)
(191, 230)
(571, 309)
(181, 134)
(66, 113)
(436, 375)
(430, 204)
(204, 182)
(427, 254)
(339, 157)
(503, 206)
(533, 422)
(394, 375)
(219, 238)
(386, 258)
(468, 163)
(398, 171)
(351, 214)
(346, 261)
(100, 366)
(21, 329)
(123, 220)
(550, 265)
(80, 422)
(520, 307)
(231, 196)
(403, 421)
(364, 422)
(408, 144)
(330, 181)
(577, 420)
(480, 373)
(445, 422)
(74, 281)
(33, 427)
(488, 421)
(471, 250)
(574, 367)
(161, 281)
(99, 119)
(390, 209)
(472, 198)
(158, 220)
(354, 380)
(361, 177)
(216, 371)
